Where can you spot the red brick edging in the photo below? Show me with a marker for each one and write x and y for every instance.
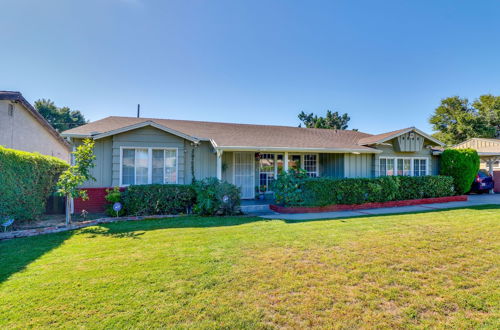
(347, 207)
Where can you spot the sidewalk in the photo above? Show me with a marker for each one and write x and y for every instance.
(473, 200)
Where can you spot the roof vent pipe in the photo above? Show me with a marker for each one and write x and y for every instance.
(138, 110)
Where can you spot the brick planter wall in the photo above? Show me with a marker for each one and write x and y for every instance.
(344, 207)
(95, 203)
(496, 178)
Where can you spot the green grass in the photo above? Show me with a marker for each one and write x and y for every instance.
(433, 269)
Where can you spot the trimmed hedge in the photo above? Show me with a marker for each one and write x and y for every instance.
(330, 191)
(26, 181)
(155, 199)
(209, 196)
(215, 197)
(462, 165)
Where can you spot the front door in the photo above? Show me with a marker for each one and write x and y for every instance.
(244, 173)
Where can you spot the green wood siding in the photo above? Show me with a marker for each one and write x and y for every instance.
(147, 137)
(204, 161)
(358, 166)
(331, 165)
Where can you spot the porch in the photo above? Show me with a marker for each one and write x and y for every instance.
(254, 171)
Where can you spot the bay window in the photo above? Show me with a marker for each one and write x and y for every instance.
(148, 165)
(407, 166)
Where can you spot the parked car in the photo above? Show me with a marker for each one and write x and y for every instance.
(483, 182)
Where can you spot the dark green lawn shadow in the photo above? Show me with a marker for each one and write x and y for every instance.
(346, 219)
(16, 254)
(135, 229)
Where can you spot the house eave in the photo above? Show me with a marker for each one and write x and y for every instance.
(295, 149)
(410, 129)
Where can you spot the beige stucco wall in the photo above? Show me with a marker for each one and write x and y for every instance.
(22, 131)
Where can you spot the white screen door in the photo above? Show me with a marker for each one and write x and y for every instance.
(244, 173)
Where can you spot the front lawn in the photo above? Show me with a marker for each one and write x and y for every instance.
(427, 269)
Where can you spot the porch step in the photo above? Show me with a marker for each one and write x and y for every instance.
(260, 208)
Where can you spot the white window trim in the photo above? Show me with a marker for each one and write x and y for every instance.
(150, 163)
(427, 163)
(302, 161)
(275, 171)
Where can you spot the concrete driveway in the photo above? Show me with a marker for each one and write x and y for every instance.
(474, 200)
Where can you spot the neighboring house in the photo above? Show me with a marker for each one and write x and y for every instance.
(143, 151)
(489, 153)
(23, 128)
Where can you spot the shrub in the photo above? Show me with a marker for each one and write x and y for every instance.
(158, 199)
(215, 197)
(26, 181)
(328, 191)
(462, 165)
(288, 187)
(113, 196)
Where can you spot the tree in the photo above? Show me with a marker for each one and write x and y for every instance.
(71, 179)
(488, 107)
(60, 118)
(332, 120)
(462, 165)
(456, 120)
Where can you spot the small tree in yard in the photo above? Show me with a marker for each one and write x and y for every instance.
(462, 165)
(76, 175)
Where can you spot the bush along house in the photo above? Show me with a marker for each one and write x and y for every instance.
(136, 151)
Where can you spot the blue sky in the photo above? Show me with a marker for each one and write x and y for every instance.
(386, 63)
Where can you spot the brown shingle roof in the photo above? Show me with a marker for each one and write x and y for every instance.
(382, 137)
(239, 135)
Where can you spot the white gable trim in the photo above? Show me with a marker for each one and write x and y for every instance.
(410, 129)
(144, 124)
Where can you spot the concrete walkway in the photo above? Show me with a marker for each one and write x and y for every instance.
(473, 200)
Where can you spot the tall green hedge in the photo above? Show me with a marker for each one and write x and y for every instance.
(462, 165)
(26, 181)
(158, 199)
(329, 191)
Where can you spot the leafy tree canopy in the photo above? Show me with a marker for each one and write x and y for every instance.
(457, 120)
(332, 120)
(60, 118)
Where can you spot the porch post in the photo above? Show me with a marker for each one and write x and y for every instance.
(285, 162)
(219, 164)
(490, 162)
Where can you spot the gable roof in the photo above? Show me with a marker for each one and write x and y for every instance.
(235, 136)
(18, 97)
(231, 136)
(488, 147)
(384, 137)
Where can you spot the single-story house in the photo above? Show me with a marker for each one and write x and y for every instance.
(489, 154)
(23, 128)
(133, 150)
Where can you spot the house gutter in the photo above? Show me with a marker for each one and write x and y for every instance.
(291, 149)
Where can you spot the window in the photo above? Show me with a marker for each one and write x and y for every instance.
(294, 162)
(403, 166)
(419, 167)
(266, 170)
(148, 165)
(311, 165)
(11, 110)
